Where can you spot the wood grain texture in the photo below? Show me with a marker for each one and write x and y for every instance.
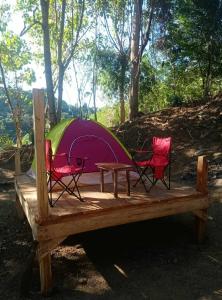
(39, 130)
(100, 210)
(17, 162)
(202, 174)
(45, 274)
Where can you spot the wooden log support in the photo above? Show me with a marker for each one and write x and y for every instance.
(39, 130)
(202, 175)
(128, 182)
(102, 180)
(41, 184)
(17, 162)
(46, 247)
(115, 183)
(45, 274)
(201, 186)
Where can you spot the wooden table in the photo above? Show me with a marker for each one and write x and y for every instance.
(115, 168)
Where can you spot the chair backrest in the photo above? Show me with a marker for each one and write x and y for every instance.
(161, 147)
(48, 155)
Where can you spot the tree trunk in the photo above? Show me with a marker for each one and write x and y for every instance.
(48, 63)
(123, 61)
(60, 62)
(16, 112)
(135, 60)
(60, 94)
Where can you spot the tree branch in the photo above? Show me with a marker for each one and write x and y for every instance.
(35, 22)
(109, 33)
(70, 56)
(6, 89)
(148, 28)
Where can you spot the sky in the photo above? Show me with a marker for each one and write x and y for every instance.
(69, 90)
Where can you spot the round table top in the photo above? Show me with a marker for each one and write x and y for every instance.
(113, 166)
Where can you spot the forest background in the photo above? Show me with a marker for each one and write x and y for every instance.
(133, 56)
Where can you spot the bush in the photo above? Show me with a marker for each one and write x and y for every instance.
(5, 141)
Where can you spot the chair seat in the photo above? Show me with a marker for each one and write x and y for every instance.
(67, 170)
(153, 162)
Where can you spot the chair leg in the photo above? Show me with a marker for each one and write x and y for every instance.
(153, 183)
(49, 183)
(75, 180)
(142, 173)
(165, 184)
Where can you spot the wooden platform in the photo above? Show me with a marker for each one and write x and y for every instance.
(50, 226)
(70, 216)
(100, 210)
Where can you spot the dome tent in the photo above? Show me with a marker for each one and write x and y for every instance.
(86, 138)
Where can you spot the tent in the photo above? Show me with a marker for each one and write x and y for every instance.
(87, 138)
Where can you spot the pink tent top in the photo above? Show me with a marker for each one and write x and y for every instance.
(85, 138)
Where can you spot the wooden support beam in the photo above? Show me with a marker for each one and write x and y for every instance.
(17, 162)
(201, 186)
(201, 225)
(45, 274)
(202, 175)
(39, 130)
(46, 247)
(201, 214)
(41, 183)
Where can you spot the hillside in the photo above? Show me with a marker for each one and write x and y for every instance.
(195, 131)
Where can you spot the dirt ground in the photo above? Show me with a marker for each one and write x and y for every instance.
(156, 259)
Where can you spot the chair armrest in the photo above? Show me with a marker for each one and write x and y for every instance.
(80, 161)
(61, 155)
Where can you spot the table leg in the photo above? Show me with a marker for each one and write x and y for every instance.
(102, 180)
(115, 190)
(128, 182)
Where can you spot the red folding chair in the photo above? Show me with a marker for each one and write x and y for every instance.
(62, 169)
(159, 163)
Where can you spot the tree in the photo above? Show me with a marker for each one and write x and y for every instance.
(137, 52)
(15, 58)
(194, 41)
(148, 19)
(117, 20)
(62, 24)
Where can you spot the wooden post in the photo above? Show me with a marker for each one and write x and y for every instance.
(45, 274)
(201, 186)
(115, 183)
(102, 180)
(39, 131)
(128, 182)
(41, 182)
(17, 162)
(202, 175)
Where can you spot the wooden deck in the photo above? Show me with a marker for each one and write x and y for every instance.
(100, 210)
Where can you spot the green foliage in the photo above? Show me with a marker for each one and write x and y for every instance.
(108, 115)
(5, 141)
(182, 63)
(193, 42)
(109, 77)
(26, 140)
